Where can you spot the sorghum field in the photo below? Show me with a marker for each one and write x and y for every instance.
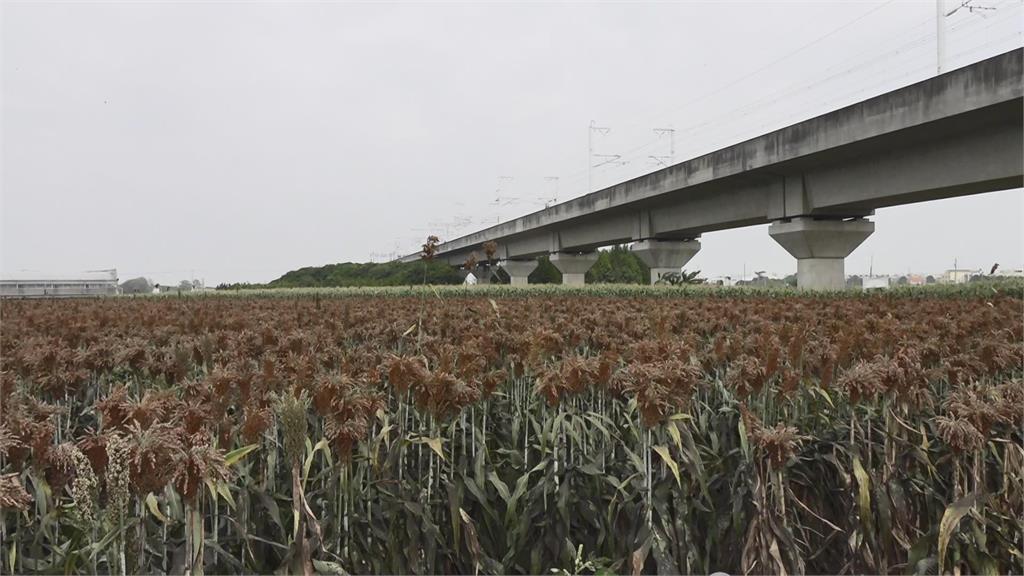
(495, 431)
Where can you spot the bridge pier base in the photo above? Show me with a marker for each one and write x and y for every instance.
(665, 256)
(519, 270)
(573, 266)
(820, 247)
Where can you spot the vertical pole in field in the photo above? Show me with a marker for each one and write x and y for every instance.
(552, 199)
(663, 160)
(610, 158)
(940, 36)
(590, 158)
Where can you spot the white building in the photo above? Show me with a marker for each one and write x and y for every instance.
(29, 284)
(721, 281)
(959, 276)
(875, 282)
(1010, 272)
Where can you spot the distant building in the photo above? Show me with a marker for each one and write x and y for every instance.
(41, 285)
(183, 287)
(1010, 272)
(875, 282)
(763, 280)
(958, 276)
(721, 281)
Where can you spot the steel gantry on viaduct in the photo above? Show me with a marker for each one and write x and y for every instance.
(815, 182)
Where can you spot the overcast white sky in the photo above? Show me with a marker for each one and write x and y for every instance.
(235, 141)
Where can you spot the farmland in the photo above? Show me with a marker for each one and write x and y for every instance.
(503, 431)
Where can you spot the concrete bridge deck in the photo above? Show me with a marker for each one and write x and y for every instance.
(956, 134)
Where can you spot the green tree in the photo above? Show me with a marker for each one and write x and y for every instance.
(682, 277)
(369, 274)
(545, 272)
(618, 266)
(138, 285)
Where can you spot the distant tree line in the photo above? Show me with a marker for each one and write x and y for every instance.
(369, 274)
(240, 286)
(138, 285)
(616, 265)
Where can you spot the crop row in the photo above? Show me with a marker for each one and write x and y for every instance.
(448, 433)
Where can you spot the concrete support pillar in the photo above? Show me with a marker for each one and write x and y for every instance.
(519, 270)
(573, 266)
(820, 247)
(665, 256)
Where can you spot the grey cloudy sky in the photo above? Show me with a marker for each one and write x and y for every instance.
(238, 140)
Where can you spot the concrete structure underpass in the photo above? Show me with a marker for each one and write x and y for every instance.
(820, 248)
(665, 256)
(519, 270)
(815, 183)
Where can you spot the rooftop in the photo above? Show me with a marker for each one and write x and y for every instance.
(39, 276)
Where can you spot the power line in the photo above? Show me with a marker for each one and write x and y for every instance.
(603, 159)
(733, 116)
(668, 160)
(744, 78)
(778, 60)
(760, 104)
(618, 158)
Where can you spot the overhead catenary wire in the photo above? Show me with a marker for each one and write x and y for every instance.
(622, 159)
(809, 98)
(741, 79)
(814, 101)
(838, 101)
(741, 113)
(765, 67)
(734, 115)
